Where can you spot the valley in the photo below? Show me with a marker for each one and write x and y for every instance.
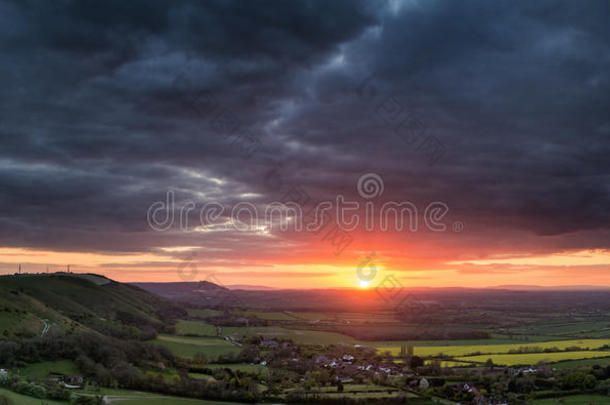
(123, 344)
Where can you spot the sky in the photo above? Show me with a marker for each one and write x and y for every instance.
(133, 131)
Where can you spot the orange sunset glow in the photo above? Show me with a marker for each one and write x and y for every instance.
(301, 161)
(322, 202)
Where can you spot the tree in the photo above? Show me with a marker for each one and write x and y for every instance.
(415, 362)
(573, 380)
(589, 382)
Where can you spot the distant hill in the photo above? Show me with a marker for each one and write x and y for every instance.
(180, 289)
(63, 303)
(247, 287)
(518, 287)
(209, 295)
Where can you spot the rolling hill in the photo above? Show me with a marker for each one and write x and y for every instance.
(62, 303)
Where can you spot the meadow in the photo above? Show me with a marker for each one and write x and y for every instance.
(302, 336)
(132, 397)
(269, 316)
(42, 369)
(575, 400)
(203, 313)
(565, 328)
(603, 362)
(195, 328)
(250, 368)
(188, 347)
(25, 400)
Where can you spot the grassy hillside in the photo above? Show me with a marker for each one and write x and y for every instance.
(64, 303)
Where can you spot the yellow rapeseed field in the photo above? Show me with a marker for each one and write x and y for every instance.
(463, 350)
(534, 358)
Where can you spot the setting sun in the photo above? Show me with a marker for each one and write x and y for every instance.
(364, 284)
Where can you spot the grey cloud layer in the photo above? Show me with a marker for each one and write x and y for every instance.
(94, 130)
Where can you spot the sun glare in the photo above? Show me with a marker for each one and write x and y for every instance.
(364, 284)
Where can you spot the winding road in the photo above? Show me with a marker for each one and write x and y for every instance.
(46, 327)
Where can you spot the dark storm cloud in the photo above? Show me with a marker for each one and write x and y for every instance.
(94, 128)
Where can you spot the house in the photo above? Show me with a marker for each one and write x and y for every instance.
(348, 357)
(72, 381)
(479, 399)
(269, 343)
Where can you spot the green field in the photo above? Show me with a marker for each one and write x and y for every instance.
(166, 401)
(298, 336)
(251, 368)
(203, 313)
(565, 328)
(129, 397)
(575, 400)
(534, 358)
(187, 347)
(311, 316)
(604, 362)
(41, 370)
(195, 328)
(18, 399)
(270, 316)
(463, 350)
(374, 317)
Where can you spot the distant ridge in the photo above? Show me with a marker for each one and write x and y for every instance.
(177, 289)
(247, 287)
(551, 288)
